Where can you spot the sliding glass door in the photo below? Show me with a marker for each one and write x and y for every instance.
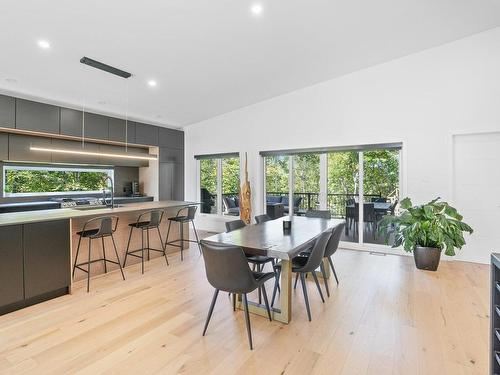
(360, 186)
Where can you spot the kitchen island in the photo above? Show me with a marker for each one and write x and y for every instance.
(37, 248)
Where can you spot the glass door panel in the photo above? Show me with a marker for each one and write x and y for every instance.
(343, 190)
(208, 185)
(306, 183)
(277, 184)
(380, 190)
(231, 185)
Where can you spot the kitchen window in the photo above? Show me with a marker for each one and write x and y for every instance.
(29, 180)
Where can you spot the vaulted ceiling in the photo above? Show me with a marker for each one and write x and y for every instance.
(212, 57)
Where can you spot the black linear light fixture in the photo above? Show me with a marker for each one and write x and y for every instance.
(107, 68)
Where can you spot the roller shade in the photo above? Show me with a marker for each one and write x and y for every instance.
(322, 150)
(218, 156)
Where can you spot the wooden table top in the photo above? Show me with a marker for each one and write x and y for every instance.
(269, 239)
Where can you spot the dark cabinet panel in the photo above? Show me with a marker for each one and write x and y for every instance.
(19, 148)
(96, 126)
(122, 162)
(46, 257)
(146, 134)
(171, 155)
(117, 130)
(171, 138)
(11, 264)
(37, 116)
(4, 146)
(7, 111)
(171, 179)
(71, 122)
(74, 158)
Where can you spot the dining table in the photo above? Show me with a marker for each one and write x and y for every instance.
(270, 239)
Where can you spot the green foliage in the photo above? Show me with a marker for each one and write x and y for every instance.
(343, 172)
(208, 175)
(435, 224)
(230, 175)
(40, 181)
(277, 174)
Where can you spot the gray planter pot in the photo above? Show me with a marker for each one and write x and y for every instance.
(427, 258)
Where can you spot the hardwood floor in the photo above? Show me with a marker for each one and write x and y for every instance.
(385, 317)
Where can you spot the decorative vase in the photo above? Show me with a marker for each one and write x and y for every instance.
(427, 258)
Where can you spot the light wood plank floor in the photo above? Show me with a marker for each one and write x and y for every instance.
(385, 317)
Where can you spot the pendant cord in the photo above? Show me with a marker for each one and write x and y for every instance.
(126, 115)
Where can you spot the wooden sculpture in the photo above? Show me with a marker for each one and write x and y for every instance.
(246, 197)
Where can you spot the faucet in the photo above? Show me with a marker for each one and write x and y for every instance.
(105, 180)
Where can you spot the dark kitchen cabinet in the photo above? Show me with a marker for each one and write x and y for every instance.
(146, 134)
(74, 158)
(46, 257)
(171, 155)
(71, 122)
(171, 180)
(11, 265)
(122, 162)
(96, 126)
(37, 117)
(19, 148)
(4, 146)
(171, 138)
(117, 130)
(7, 112)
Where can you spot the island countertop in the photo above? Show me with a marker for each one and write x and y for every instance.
(70, 213)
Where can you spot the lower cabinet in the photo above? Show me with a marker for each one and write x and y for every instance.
(171, 180)
(34, 263)
(11, 265)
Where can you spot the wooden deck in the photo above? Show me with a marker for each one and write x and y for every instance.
(386, 317)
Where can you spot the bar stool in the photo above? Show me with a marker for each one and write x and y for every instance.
(181, 219)
(105, 228)
(155, 217)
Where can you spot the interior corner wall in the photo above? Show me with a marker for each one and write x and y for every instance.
(421, 100)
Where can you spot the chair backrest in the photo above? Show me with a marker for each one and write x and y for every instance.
(369, 212)
(104, 224)
(322, 214)
(262, 218)
(227, 268)
(155, 217)
(379, 200)
(191, 212)
(235, 224)
(317, 252)
(333, 242)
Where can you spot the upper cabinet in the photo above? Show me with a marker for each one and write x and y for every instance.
(7, 111)
(96, 126)
(38, 117)
(171, 138)
(146, 134)
(117, 131)
(19, 148)
(4, 146)
(71, 122)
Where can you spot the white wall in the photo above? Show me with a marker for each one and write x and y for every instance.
(421, 100)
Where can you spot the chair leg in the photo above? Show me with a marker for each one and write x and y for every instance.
(322, 267)
(142, 250)
(162, 246)
(259, 269)
(104, 255)
(333, 269)
(182, 240)
(296, 279)
(117, 257)
(273, 262)
(128, 246)
(214, 299)
(77, 252)
(247, 320)
(234, 295)
(196, 235)
(276, 282)
(88, 265)
(304, 290)
(264, 293)
(168, 233)
(315, 277)
(149, 247)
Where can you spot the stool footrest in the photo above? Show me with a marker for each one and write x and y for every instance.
(132, 252)
(94, 261)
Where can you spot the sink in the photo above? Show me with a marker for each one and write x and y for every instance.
(86, 208)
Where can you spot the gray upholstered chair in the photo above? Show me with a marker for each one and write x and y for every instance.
(262, 218)
(227, 270)
(322, 214)
(235, 224)
(303, 265)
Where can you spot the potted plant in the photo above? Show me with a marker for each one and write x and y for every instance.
(426, 230)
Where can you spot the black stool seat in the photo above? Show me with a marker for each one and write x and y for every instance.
(143, 224)
(88, 233)
(181, 219)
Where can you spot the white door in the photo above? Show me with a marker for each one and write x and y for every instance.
(476, 192)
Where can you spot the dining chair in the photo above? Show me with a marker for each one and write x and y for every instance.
(262, 218)
(304, 265)
(322, 214)
(235, 224)
(227, 270)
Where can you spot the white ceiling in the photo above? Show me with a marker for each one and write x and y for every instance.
(211, 57)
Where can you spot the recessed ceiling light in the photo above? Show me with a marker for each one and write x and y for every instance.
(159, 116)
(256, 9)
(101, 102)
(43, 44)
(152, 83)
(11, 80)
